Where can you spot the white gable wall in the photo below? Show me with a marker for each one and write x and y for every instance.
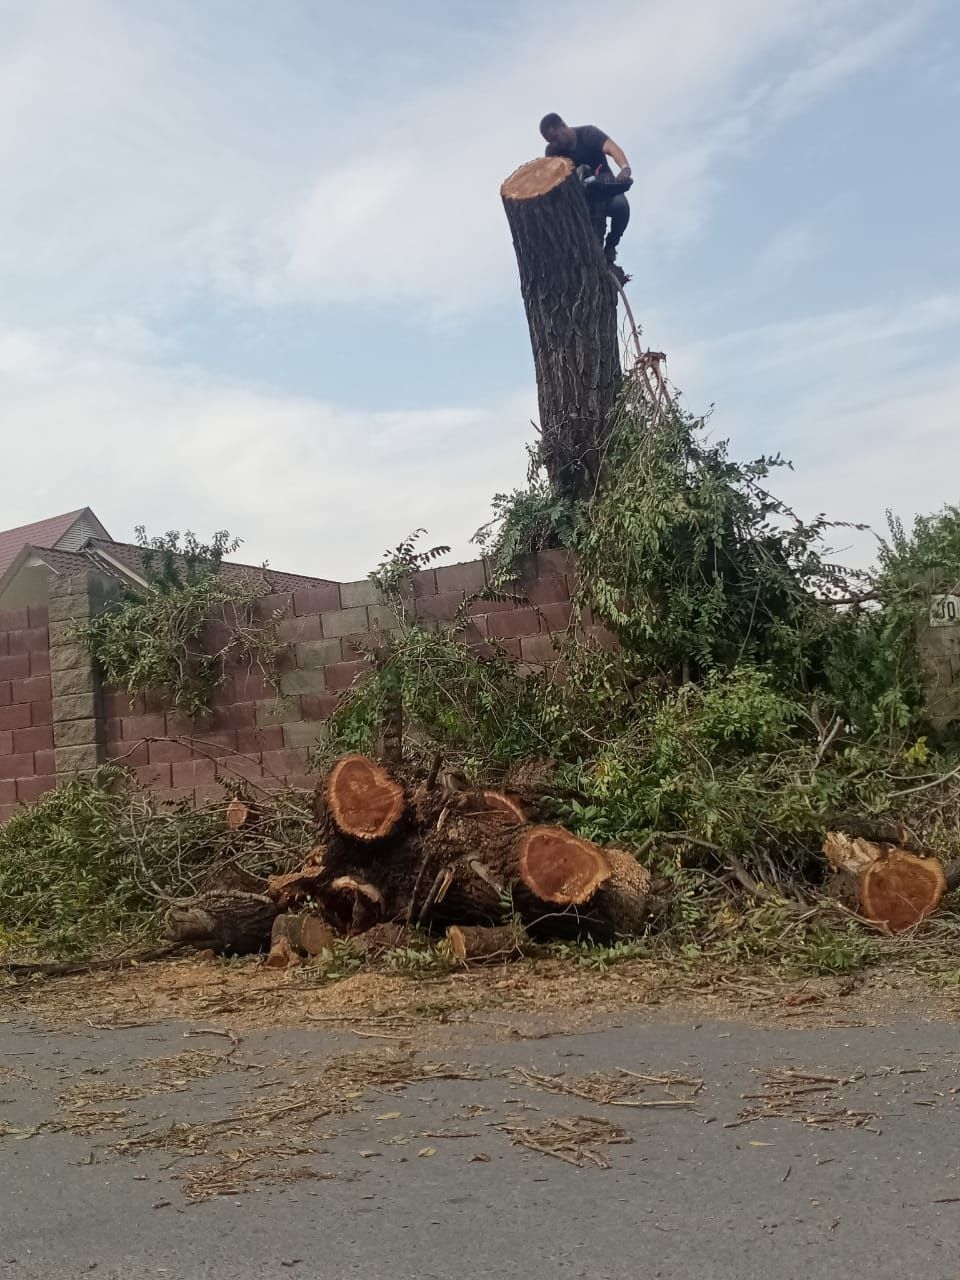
(85, 526)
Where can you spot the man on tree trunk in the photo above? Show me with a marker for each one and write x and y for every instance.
(588, 147)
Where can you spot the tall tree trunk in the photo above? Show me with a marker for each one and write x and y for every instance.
(571, 304)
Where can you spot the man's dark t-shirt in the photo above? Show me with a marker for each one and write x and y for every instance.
(588, 149)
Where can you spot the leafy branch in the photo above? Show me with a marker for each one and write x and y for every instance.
(178, 634)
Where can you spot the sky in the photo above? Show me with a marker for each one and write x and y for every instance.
(255, 274)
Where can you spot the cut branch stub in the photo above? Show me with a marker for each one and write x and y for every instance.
(849, 854)
(294, 886)
(499, 802)
(295, 935)
(899, 889)
(477, 943)
(238, 811)
(559, 867)
(354, 904)
(362, 799)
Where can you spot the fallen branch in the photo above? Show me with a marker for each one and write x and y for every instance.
(67, 968)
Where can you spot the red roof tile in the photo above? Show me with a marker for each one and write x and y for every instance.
(41, 534)
(131, 557)
(63, 562)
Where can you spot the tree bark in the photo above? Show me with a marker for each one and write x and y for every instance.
(223, 920)
(571, 304)
(478, 944)
(380, 939)
(624, 899)
(294, 936)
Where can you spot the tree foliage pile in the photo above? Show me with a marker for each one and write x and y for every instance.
(91, 866)
(762, 691)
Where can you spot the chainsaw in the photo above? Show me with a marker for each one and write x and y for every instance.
(602, 185)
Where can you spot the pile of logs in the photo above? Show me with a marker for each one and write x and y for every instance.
(392, 854)
(396, 857)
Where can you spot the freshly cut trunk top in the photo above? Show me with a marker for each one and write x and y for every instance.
(536, 178)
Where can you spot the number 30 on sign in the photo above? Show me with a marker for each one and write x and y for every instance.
(944, 611)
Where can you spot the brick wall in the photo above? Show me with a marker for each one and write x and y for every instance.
(27, 767)
(255, 734)
(48, 733)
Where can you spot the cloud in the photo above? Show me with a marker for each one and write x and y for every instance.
(898, 453)
(806, 85)
(176, 152)
(864, 401)
(310, 486)
(786, 251)
(222, 161)
(418, 218)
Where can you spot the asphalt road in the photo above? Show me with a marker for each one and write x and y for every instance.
(405, 1195)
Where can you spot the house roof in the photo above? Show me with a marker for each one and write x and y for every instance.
(63, 562)
(43, 533)
(108, 555)
(77, 543)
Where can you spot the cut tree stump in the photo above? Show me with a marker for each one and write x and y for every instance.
(885, 884)
(362, 799)
(476, 943)
(571, 305)
(295, 936)
(223, 921)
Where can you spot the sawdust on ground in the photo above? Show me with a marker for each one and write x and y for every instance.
(527, 998)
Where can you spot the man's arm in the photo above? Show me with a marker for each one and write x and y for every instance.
(611, 149)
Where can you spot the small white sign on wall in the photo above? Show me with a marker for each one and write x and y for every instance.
(945, 611)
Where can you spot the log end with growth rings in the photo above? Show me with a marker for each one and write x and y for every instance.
(536, 178)
(559, 867)
(237, 814)
(900, 889)
(362, 798)
(500, 803)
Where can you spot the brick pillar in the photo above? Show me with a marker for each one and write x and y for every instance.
(938, 645)
(939, 648)
(78, 720)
